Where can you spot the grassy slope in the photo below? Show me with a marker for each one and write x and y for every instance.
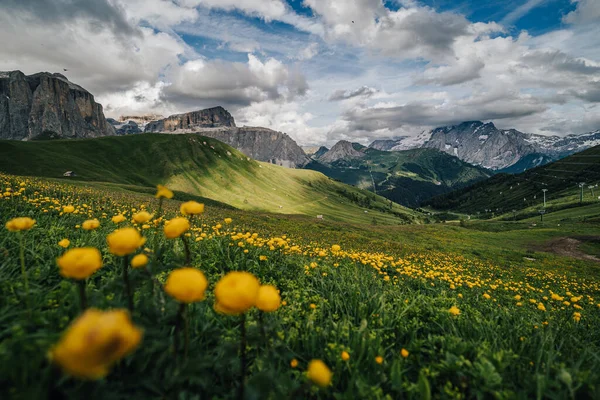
(196, 165)
(408, 177)
(503, 193)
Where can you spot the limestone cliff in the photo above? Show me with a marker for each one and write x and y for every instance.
(45, 105)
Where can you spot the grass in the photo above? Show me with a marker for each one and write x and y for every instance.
(203, 167)
(389, 288)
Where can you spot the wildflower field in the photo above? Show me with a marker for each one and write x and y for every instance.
(110, 294)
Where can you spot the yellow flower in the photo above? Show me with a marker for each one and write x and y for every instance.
(541, 307)
(80, 263)
(139, 261)
(345, 356)
(404, 353)
(319, 373)
(163, 192)
(236, 292)
(228, 220)
(90, 224)
(118, 218)
(176, 227)
(268, 299)
(262, 258)
(517, 297)
(191, 208)
(68, 209)
(454, 310)
(20, 224)
(64, 243)
(95, 341)
(335, 248)
(313, 306)
(487, 296)
(124, 241)
(576, 316)
(379, 360)
(186, 285)
(142, 217)
(294, 363)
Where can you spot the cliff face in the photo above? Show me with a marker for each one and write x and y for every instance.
(210, 118)
(45, 105)
(261, 144)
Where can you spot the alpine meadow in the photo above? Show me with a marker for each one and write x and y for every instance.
(316, 199)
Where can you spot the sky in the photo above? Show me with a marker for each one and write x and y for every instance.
(323, 70)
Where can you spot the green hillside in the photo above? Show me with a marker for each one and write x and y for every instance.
(407, 177)
(203, 167)
(524, 192)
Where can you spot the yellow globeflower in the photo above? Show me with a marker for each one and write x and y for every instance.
(124, 241)
(236, 293)
(176, 227)
(345, 356)
(404, 353)
(192, 208)
(163, 192)
(142, 217)
(319, 373)
(64, 243)
(118, 218)
(95, 341)
(90, 224)
(139, 261)
(379, 360)
(335, 248)
(20, 224)
(228, 220)
(68, 209)
(186, 285)
(268, 299)
(294, 363)
(80, 263)
(454, 310)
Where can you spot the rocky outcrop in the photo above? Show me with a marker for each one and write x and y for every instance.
(215, 117)
(320, 152)
(342, 150)
(261, 144)
(45, 106)
(481, 144)
(125, 128)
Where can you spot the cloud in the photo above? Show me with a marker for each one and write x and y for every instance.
(341, 94)
(266, 9)
(521, 11)
(100, 14)
(587, 11)
(212, 82)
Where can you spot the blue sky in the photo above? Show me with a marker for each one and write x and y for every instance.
(324, 70)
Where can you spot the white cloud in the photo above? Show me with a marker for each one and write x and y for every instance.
(521, 11)
(587, 11)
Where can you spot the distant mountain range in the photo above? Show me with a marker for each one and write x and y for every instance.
(503, 150)
(407, 177)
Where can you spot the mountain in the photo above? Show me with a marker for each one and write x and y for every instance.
(127, 128)
(45, 105)
(322, 150)
(342, 150)
(408, 177)
(199, 166)
(261, 144)
(498, 149)
(504, 193)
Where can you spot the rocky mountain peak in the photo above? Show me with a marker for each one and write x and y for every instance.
(46, 105)
(341, 150)
(215, 117)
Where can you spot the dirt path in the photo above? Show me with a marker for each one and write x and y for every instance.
(568, 247)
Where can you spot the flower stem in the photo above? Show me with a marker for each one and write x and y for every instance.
(23, 270)
(186, 323)
(82, 297)
(242, 357)
(188, 253)
(178, 322)
(127, 284)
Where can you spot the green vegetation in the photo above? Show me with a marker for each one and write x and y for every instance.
(389, 288)
(523, 193)
(201, 166)
(407, 177)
